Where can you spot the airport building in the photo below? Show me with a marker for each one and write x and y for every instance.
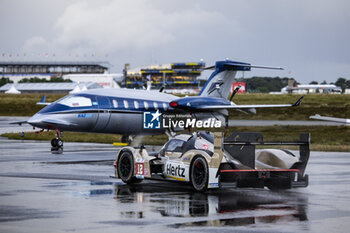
(104, 80)
(47, 88)
(312, 88)
(172, 76)
(17, 71)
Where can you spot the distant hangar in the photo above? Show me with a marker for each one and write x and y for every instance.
(57, 88)
(58, 68)
(78, 72)
(16, 70)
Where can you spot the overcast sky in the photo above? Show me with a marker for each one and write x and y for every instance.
(310, 39)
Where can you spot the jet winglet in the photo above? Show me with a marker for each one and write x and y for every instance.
(43, 101)
(298, 102)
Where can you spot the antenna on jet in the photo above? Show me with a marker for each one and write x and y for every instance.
(235, 91)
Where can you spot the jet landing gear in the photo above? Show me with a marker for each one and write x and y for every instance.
(57, 143)
(127, 139)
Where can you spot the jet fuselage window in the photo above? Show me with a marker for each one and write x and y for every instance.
(136, 104)
(155, 105)
(126, 104)
(115, 103)
(76, 101)
(164, 106)
(146, 105)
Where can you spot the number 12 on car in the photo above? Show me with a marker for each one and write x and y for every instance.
(139, 169)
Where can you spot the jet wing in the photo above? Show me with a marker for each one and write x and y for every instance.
(18, 122)
(219, 104)
(333, 119)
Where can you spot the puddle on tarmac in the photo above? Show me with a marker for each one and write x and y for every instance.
(20, 213)
(217, 208)
(180, 207)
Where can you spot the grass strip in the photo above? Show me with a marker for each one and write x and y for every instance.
(323, 138)
(323, 104)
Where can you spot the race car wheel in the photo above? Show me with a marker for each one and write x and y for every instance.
(126, 168)
(199, 174)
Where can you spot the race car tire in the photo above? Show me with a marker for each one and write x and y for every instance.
(199, 205)
(126, 168)
(199, 173)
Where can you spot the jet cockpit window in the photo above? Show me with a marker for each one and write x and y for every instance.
(76, 101)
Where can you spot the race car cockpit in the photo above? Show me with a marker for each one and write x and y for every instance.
(183, 143)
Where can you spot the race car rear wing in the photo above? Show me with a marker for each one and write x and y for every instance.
(241, 146)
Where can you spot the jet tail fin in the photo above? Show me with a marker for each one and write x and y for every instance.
(220, 81)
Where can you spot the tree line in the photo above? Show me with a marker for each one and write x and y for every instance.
(44, 80)
(4, 80)
(254, 84)
(343, 83)
(264, 84)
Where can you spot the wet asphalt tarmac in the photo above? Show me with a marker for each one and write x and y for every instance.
(72, 192)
